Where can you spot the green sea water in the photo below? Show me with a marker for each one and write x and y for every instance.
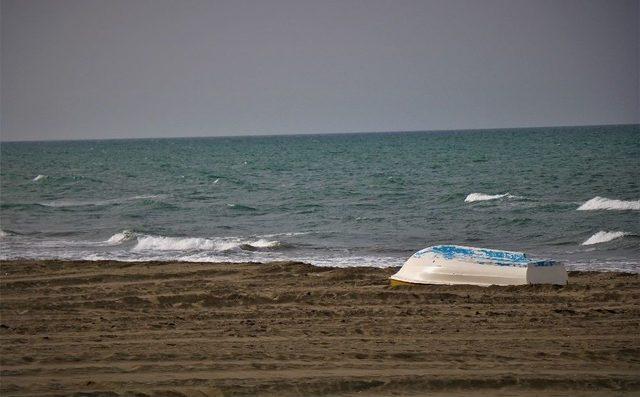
(570, 194)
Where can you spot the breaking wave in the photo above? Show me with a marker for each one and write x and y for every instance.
(603, 236)
(473, 197)
(162, 243)
(603, 203)
(121, 237)
(262, 243)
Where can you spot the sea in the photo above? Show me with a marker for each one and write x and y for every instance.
(368, 199)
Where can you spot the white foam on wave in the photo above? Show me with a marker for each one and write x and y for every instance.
(3, 234)
(473, 197)
(121, 237)
(262, 243)
(83, 203)
(162, 243)
(39, 177)
(603, 236)
(289, 234)
(603, 203)
(71, 203)
(144, 197)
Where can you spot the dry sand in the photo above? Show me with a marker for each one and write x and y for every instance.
(114, 328)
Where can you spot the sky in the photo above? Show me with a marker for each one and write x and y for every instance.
(84, 69)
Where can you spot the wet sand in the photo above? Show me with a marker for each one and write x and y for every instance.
(193, 329)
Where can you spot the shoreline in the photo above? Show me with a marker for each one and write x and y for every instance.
(571, 267)
(289, 328)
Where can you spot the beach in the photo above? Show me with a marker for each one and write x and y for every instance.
(289, 328)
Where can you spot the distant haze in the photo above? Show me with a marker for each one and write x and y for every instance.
(75, 69)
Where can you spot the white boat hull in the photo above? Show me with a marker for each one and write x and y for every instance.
(476, 266)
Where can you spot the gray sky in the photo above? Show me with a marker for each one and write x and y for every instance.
(132, 68)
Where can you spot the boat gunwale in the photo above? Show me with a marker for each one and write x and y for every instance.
(484, 256)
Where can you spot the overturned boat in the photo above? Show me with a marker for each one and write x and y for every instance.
(455, 264)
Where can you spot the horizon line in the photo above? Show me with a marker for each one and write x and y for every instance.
(315, 133)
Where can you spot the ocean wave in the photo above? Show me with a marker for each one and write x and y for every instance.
(263, 243)
(603, 237)
(39, 177)
(3, 234)
(289, 234)
(145, 197)
(162, 243)
(74, 203)
(241, 207)
(6, 206)
(473, 197)
(121, 237)
(603, 203)
(86, 203)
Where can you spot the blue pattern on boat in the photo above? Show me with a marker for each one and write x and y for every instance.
(484, 256)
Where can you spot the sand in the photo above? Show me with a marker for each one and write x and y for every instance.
(278, 329)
